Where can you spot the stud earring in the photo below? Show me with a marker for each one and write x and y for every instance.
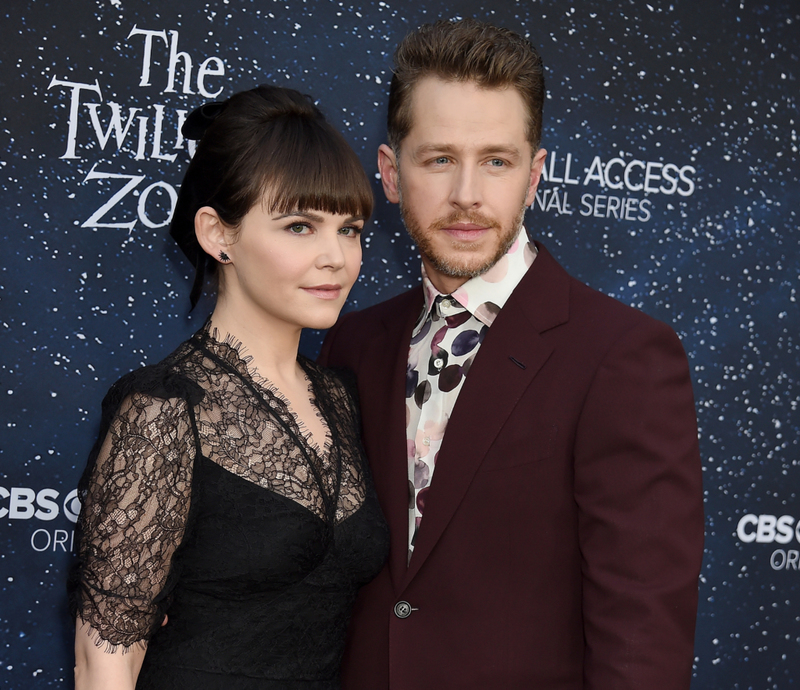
(224, 258)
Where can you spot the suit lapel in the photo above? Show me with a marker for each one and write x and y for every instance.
(511, 355)
(382, 384)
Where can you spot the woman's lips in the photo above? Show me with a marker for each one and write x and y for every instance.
(324, 291)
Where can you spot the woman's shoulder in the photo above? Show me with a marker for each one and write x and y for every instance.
(169, 378)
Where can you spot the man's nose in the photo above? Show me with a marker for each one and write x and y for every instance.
(466, 190)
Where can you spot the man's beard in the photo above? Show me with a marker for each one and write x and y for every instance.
(450, 266)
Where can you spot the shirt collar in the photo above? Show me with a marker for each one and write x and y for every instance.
(485, 295)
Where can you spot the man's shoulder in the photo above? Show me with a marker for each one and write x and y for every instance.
(389, 311)
(359, 331)
(594, 311)
(591, 300)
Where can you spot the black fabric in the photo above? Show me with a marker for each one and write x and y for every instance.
(205, 500)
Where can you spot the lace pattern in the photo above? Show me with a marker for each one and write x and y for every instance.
(136, 490)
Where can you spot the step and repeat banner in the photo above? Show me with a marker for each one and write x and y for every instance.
(672, 183)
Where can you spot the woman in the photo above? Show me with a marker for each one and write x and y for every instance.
(228, 518)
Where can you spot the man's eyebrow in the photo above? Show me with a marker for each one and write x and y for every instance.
(491, 149)
(434, 148)
(501, 149)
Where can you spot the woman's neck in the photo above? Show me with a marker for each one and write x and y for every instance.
(272, 347)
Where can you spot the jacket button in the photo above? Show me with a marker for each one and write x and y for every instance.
(402, 609)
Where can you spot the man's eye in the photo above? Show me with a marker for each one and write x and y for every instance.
(441, 160)
(497, 163)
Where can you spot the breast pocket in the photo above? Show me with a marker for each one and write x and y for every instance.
(522, 444)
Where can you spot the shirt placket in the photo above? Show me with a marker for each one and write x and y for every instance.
(434, 412)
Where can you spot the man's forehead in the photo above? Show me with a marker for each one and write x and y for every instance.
(444, 103)
(452, 116)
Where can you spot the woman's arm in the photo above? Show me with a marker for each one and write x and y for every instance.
(136, 497)
(98, 669)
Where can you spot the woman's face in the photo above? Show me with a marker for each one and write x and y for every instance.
(295, 269)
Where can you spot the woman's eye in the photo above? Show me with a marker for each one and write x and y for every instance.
(350, 231)
(299, 229)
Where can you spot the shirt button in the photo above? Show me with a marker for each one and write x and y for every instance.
(426, 441)
(438, 363)
(402, 609)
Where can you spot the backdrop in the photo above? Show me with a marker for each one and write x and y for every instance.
(671, 184)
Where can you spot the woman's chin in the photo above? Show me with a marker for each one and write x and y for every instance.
(323, 321)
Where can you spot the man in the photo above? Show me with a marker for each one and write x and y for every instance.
(533, 442)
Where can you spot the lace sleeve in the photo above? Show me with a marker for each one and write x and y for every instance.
(135, 495)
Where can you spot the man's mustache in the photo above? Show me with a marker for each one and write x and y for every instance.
(472, 217)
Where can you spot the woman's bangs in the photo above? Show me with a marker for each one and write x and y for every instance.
(313, 168)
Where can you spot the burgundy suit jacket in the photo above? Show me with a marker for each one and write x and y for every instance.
(563, 530)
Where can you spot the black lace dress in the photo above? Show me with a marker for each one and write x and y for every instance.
(205, 500)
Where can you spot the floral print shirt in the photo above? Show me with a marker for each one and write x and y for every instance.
(444, 343)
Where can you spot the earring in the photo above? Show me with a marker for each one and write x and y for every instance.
(224, 258)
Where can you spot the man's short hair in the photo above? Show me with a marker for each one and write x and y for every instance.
(465, 51)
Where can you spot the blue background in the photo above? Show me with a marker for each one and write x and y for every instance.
(710, 84)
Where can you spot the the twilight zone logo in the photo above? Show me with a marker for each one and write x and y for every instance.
(620, 188)
(781, 530)
(150, 133)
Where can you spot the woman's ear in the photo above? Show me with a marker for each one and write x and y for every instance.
(211, 233)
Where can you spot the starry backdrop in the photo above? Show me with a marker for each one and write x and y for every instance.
(672, 184)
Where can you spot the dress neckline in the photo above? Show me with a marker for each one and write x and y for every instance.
(233, 352)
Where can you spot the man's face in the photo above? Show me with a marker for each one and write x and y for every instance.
(463, 176)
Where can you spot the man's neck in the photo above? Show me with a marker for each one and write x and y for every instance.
(443, 283)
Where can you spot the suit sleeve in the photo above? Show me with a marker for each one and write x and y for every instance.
(639, 495)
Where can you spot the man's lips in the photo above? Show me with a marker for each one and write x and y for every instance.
(324, 291)
(466, 232)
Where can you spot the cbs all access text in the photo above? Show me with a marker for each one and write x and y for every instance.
(50, 512)
(783, 530)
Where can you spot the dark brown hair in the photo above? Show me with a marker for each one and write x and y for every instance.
(470, 51)
(272, 145)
